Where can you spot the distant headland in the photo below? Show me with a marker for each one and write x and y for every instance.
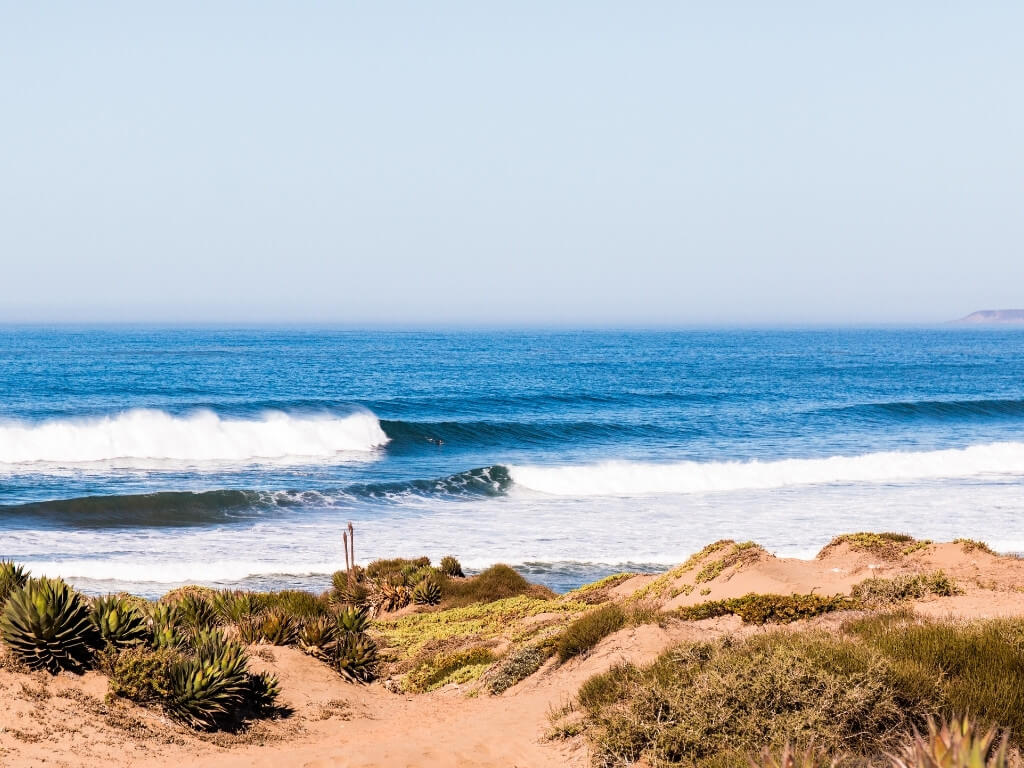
(994, 317)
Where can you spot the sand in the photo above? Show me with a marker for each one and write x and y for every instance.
(65, 720)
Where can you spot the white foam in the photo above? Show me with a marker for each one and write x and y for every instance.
(621, 478)
(144, 438)
(177, 572)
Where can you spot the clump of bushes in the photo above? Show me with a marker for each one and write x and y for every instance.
(714, 703)
(973, 545)
(496, 583)
(735, 555)
(756, 608)
(451, 567)
(974, 667)
(588, 630)
(889, 545)
(880, 591)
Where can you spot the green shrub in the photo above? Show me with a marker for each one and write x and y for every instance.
(767, 609)
(142, 674)
(714, 703)
(588, 630)
(977, 666)
(516, 667)
(880, 591)
(496, 583)
(451, 567)
(399, 568)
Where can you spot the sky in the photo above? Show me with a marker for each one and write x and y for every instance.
(510, 163)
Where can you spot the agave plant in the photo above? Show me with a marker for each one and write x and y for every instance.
(235, 605)
(210, 688)
(390, 597)
(47, 626)
(196, 612)
(12, 577)
(250, 629)
(317, 635)
(118, 623)
(355, 658)
(427, 592)
(278, 627)
(166, 624)
(954, 744)
(264, 688)
(353, 620)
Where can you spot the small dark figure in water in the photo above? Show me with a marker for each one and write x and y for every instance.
(436, 441)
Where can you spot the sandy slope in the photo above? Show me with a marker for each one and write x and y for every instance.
(64, 721)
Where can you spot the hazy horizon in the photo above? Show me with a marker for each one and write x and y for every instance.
(458, 166)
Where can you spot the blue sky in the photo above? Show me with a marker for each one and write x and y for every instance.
(510, 163)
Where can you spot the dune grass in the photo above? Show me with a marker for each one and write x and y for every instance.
(880, 591)
(713, 703)
(588, 630)
(854, 694)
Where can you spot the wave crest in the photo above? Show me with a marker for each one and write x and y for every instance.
(620, 478)
(144, 437)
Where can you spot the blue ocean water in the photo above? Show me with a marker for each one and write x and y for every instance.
(140, 458)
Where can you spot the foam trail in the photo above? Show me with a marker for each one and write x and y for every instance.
(145, 437)
(619, 478)
(177, 572)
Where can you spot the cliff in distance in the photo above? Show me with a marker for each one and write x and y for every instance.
(994, 317)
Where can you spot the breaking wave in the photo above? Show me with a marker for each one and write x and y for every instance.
(147, 438)
(620, 478)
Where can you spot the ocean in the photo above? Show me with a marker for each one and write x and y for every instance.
(143, 458)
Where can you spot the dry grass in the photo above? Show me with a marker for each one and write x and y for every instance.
(714, 703)
(892, 546)
(879, 591)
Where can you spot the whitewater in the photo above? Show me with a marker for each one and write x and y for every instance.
(141, 458)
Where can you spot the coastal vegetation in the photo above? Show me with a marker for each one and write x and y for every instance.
(827, 688)
(855, 695)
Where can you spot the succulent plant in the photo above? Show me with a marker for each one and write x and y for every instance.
(250, 629)
(317, 635)
(353, 620)
(427, 592)
(264, 688)
(166, 624)
(196, 612)
(47, 626)
(278, 627)
(391, 597)
(210, 688)
(234, 605)
(451, 567)
(118, 623)
(954, 744)
(12, 577)
(355, 658)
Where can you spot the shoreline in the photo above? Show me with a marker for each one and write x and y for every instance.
(440, 666)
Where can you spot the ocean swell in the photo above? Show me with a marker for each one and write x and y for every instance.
(621, 478)
(147, 438)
